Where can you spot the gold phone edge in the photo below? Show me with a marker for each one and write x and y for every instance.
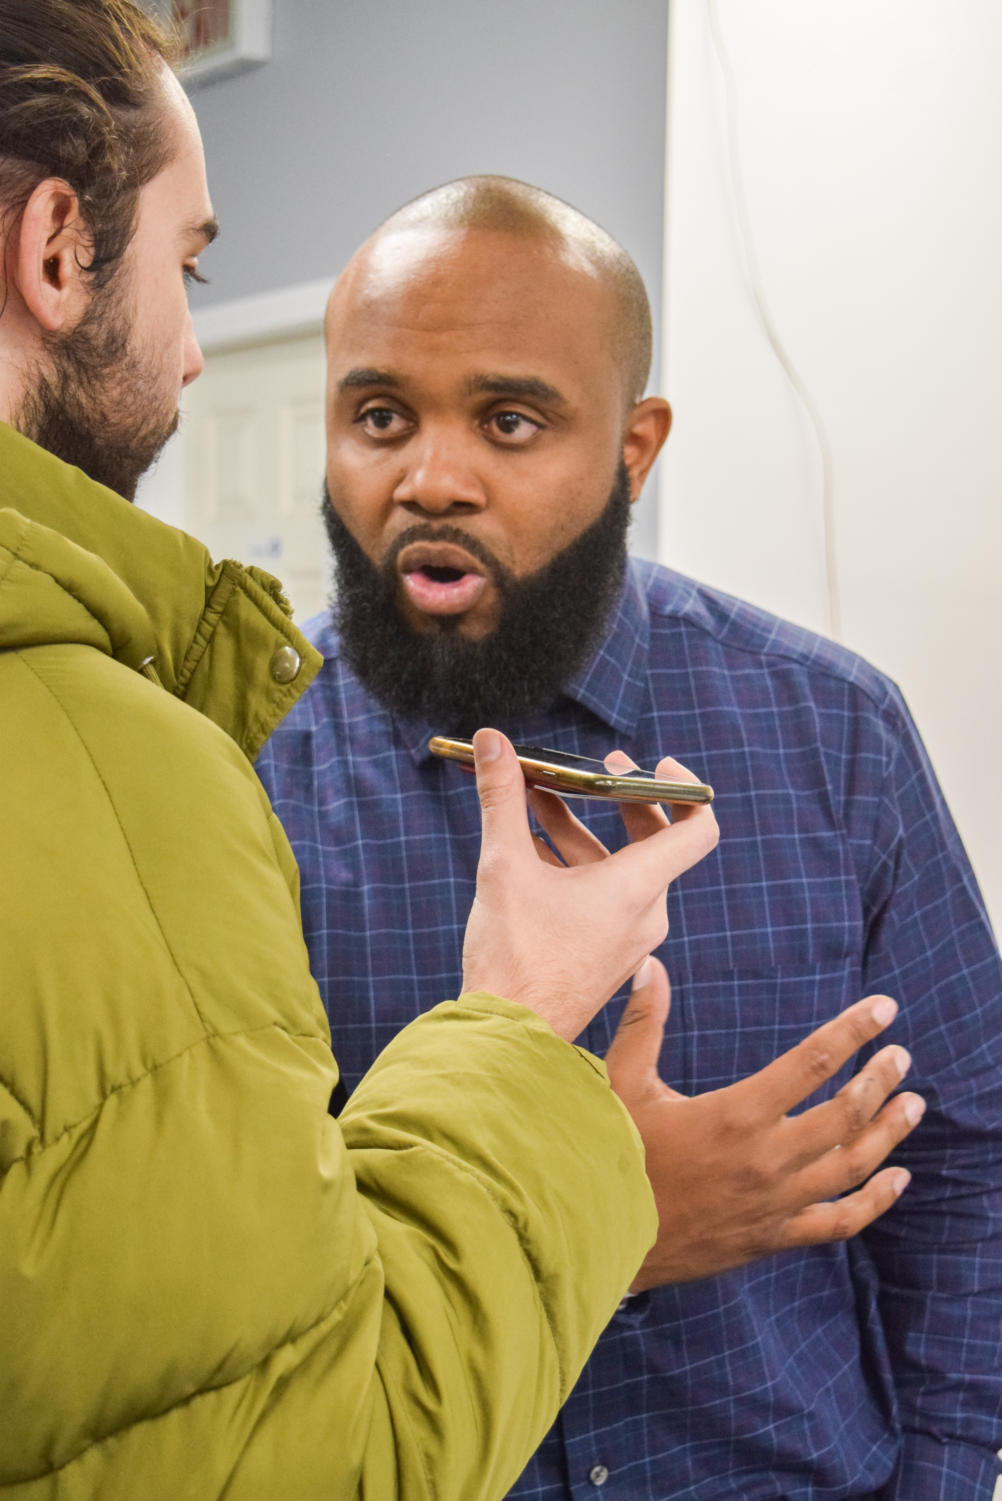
(639, 791)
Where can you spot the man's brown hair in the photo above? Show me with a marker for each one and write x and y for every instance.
(82, 99)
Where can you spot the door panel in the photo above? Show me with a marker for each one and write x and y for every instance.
(253, 462)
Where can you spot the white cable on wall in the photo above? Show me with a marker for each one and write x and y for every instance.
(740, 206)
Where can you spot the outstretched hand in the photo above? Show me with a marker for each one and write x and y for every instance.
(561, 938)
(735, 1177)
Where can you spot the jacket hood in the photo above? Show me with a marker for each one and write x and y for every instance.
(79, 564)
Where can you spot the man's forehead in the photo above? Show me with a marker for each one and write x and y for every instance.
(517, 301)
(187, 155)
(459, 263)
(394, 258)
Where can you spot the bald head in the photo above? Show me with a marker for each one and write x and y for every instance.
(505, 206)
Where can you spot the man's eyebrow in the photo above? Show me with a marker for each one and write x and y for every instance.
(365, 376)
(526, 387)
(207, 230)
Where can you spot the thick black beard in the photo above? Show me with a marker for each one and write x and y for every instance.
(95, 407)
(549, 623)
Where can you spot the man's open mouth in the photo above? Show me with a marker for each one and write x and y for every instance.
(441, 578)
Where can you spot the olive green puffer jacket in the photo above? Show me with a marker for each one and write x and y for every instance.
(208, 1286)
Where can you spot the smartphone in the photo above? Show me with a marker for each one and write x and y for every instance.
(578, 776)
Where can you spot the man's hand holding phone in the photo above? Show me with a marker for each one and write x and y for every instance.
(561, 938)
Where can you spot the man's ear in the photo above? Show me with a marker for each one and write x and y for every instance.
(647, 427)
(46, 255)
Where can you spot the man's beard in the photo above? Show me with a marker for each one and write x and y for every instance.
(100, 405)
(549, 623)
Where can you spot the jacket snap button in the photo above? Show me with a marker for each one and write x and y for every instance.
(285, 664)
(598, 1474)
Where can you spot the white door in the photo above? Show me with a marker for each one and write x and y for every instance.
(252, 460)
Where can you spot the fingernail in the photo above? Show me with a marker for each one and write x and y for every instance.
(903, 1060)
(622, 760)
(902, 1178)
(487, 746)
(914, 1110)
(885, 1011)
(643, 974)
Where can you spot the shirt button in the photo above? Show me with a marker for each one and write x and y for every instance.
(285, 664)
(598, 1474)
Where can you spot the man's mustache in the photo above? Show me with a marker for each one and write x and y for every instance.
(427, 531)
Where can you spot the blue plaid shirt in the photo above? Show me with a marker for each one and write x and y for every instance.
(871, 1369)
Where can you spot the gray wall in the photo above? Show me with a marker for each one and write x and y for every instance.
(366, 104)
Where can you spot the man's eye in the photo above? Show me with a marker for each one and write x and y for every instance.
(514, 425)
(381, 421)
(193, 276)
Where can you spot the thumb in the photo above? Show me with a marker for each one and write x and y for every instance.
(632, 1058)
(501, 789)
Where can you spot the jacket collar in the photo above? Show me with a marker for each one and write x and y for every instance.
(77, 562)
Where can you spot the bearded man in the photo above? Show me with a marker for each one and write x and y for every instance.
(488, 351)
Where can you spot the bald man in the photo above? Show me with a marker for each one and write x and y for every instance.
(488, 430)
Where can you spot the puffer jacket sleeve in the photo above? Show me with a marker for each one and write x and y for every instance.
(475, 1141)
(209, 1287)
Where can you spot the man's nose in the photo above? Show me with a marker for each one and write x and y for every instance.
(438, 478)
(192, 359)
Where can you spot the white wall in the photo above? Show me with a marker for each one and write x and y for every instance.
(870, 135)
